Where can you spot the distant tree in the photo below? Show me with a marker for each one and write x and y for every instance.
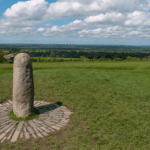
(82, 57)
(15, 54)
(52, 54)
(2, 52)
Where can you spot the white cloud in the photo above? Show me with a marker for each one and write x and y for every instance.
(110, 18)
(26, 10)
(113, 17)
(40, 29)
(138, 18)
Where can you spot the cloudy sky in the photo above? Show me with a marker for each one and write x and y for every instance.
(113, 22)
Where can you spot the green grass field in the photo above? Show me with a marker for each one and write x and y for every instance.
(110, 102)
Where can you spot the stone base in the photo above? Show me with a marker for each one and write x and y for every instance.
(52, 117)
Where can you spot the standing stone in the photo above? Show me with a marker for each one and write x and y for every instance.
(23, 85)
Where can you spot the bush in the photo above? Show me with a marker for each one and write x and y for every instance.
(1, 58)
(128, 58)
(39, 59)
(102, 59)
(118, 59)
(145, 59)
(133, 58)
(89, 59)
(94, 59)
(54, 59)
(82, 57)
(33, 59)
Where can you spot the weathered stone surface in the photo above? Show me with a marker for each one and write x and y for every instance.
(9, 57)
(23, 85)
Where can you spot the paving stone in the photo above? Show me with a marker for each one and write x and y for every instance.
(52, 118)
(44, 115)
(38, 133)
(2, 115)
(3, 139)
(19, 127)
(27, 135)
(64, 119)
(11, 133)
(30, 130)
(21, 135)
(10, 128)
(57, 128)
(2, 135)
(44, 133)
(51, 129)
(55, 121)
(44, 125)
(25, 129)
(15, 136)
(38, 121)
(63, 123)
(3, 108)
(39, 129)
(1, 105)
(43, 118)
(32, 124)
(25, 124)
(34, 135)
(4, 118)
(7, 105)
(35, 102)
(6, 122)
(10, 101)
(37, 105)
(3, 121)
(65, 116)
(49, 122)
(57, 125)
(7, 126)
(46, 130)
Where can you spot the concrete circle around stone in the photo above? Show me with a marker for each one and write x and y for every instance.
(52, 117)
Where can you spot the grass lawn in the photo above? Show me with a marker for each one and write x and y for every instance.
(110, 102)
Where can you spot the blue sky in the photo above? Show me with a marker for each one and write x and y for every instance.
(108, 22)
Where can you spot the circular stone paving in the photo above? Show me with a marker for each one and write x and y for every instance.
(52, 117)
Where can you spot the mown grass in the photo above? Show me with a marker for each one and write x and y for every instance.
(110, 102)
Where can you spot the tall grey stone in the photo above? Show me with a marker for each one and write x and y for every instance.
(23, 85)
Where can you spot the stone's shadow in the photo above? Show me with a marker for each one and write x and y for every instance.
(45, 108)
(37, 112)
